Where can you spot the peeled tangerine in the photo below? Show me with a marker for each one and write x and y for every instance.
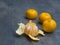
(49, 25)
(30, 29)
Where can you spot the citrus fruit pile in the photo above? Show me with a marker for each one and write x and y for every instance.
(45, 18)
(31, 29)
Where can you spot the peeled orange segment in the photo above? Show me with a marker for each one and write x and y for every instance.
(41, 32)
(31, 28)
(33, 38)
(20, 29)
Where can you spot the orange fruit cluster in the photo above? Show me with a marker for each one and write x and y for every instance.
(48, 24)
(45, 18)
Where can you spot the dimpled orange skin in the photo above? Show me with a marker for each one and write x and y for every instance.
(31, 29)
(44, 16)
(49, 25)
(31, 13)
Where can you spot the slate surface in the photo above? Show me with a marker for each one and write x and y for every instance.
(13, 11)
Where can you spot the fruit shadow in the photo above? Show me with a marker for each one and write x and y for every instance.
(27, 18)
(48, 33)
(39, 23)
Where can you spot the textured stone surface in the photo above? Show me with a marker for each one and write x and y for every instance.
(13, 11)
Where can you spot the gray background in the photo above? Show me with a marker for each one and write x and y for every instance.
(13, 11)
